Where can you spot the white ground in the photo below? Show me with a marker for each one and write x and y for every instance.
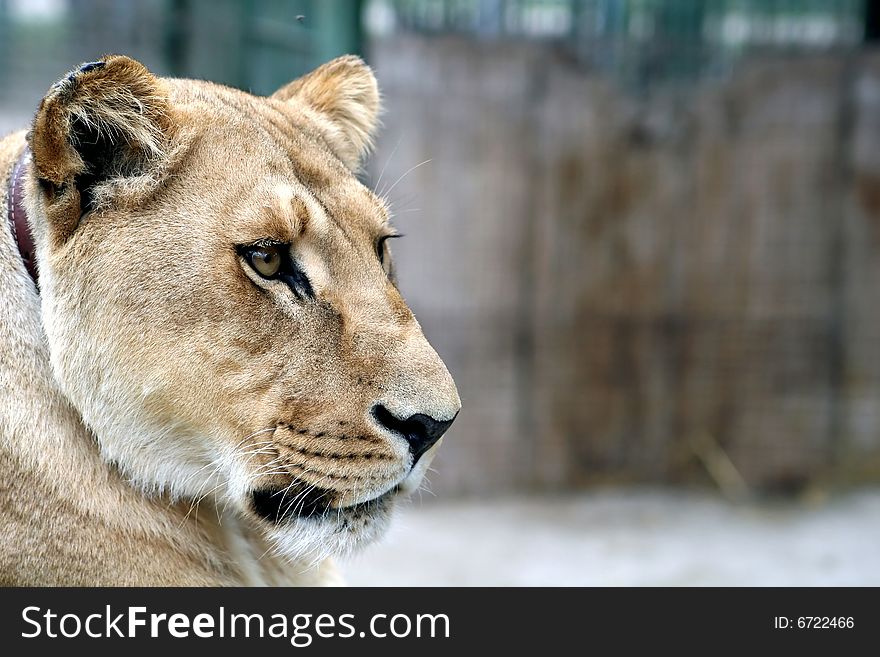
(629, 538)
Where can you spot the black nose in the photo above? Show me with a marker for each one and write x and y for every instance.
(420, 430)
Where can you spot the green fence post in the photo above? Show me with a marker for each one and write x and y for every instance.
(338, 24)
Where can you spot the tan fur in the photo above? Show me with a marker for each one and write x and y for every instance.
(156, 381)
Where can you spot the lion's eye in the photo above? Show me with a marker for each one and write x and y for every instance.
(380, 246)
(266, 261)
(274, 262)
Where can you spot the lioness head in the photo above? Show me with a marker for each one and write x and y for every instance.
(219, 297)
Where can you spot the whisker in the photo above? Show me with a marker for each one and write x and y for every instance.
(404, 175)
(387, 162)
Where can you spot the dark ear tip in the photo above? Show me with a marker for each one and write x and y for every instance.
(84, 68)
(71, 77)
(91, 66)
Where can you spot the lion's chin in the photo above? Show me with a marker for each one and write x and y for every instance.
(333, 533)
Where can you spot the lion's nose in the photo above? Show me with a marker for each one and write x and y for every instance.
(420, 430)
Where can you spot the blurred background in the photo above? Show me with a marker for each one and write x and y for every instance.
(643, 234)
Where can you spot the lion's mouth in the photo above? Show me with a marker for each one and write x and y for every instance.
(301, 500)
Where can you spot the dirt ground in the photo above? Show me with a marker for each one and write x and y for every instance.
(631, 538)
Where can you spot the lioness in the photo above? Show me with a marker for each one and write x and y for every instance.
(209, 377)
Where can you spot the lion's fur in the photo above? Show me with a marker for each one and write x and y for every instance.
(155, 382)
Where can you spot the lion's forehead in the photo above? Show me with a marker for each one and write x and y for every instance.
(281, 181)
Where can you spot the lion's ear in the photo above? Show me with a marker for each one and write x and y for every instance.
(106, 124)
(345, 93)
